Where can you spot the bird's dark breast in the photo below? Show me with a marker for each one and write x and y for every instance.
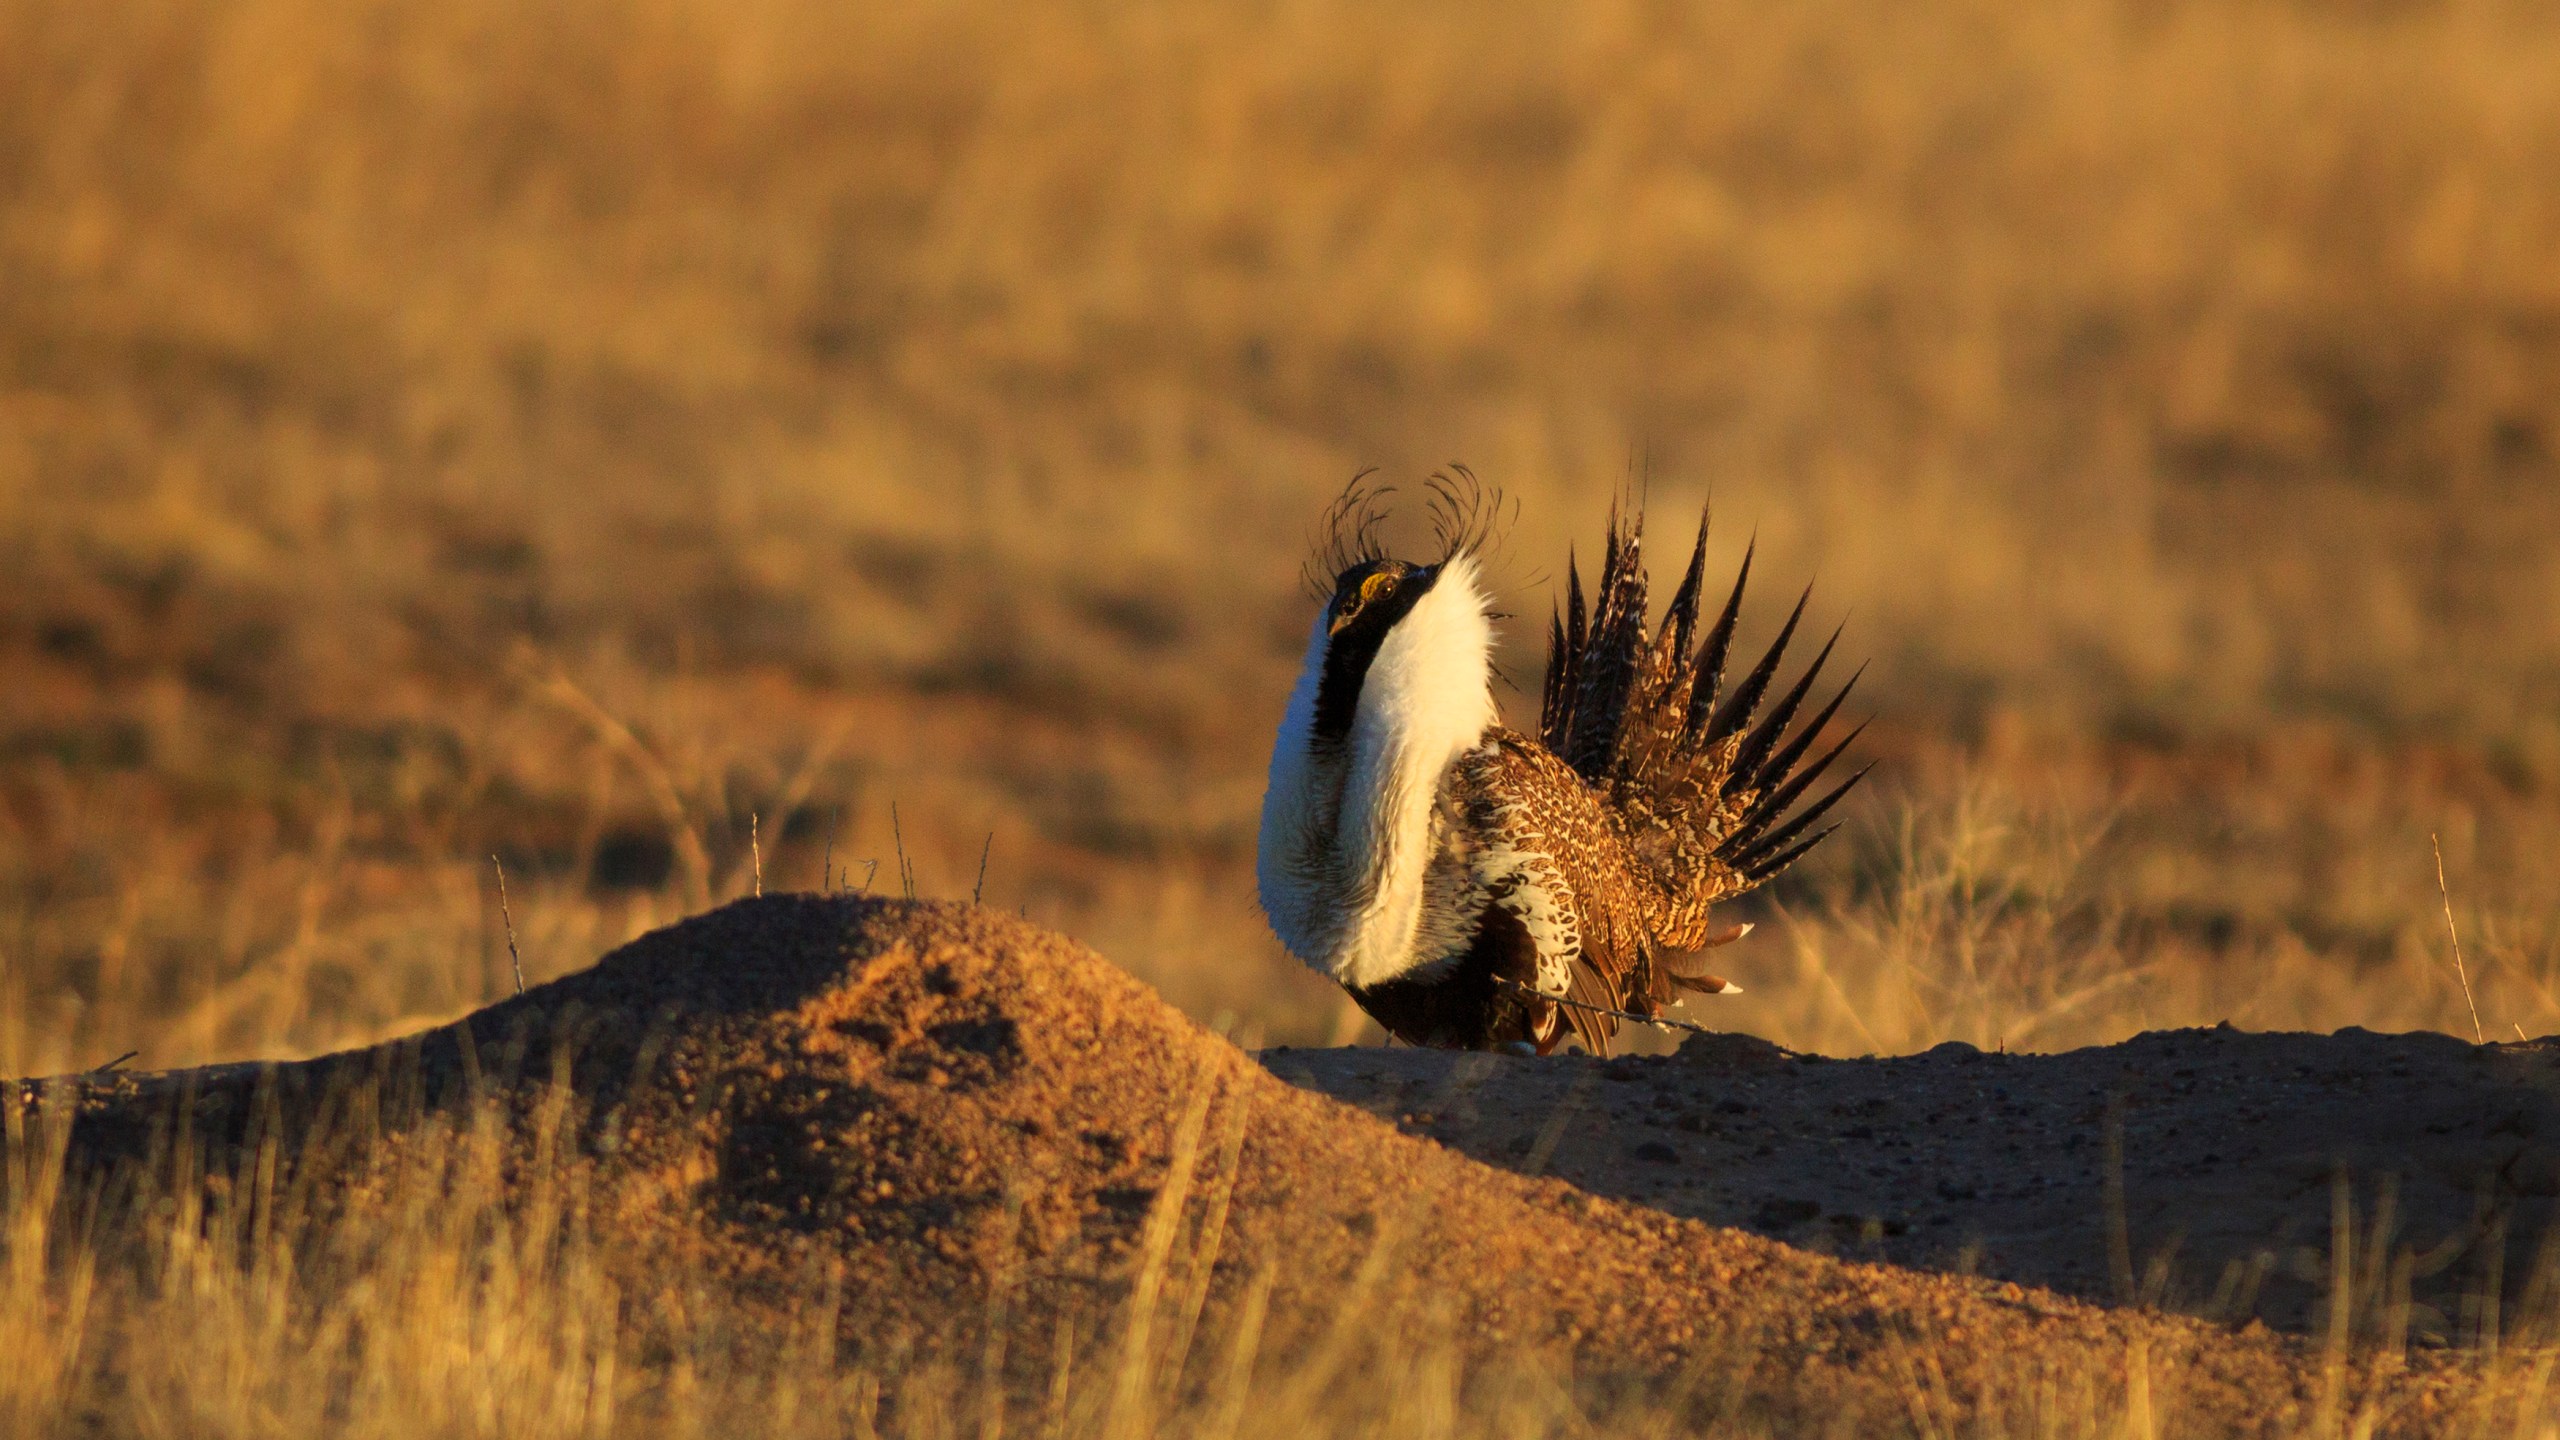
(1468, 1006)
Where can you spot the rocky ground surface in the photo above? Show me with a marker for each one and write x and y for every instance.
(2209, 1171)
(970, 1126)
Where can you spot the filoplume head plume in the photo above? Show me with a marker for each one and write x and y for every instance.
(1467, 517)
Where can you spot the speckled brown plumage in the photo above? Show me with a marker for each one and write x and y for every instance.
(1585, 863)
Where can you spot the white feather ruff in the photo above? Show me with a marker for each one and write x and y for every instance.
(1347, 835)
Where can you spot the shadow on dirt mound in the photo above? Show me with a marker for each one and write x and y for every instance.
(2211, 1172)
(965, 1121)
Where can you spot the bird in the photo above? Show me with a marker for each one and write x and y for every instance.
(1474, 887)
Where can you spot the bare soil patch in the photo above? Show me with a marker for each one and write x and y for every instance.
(966, 1123)
(2208, 1171)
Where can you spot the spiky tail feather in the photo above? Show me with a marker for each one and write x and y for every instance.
(1704, 782)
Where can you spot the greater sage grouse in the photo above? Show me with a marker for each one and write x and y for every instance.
(1476, 888)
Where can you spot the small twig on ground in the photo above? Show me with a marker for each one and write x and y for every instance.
(509, 920)
(980, 892)
(906, 870)
(795, 792)
(110, 1065)
(1654, 1020)
(2459, 972)
(755, 848)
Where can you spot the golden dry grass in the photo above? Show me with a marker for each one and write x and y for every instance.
(456, 1315)
(454, 1236)
(459, 1316)
(567, 432)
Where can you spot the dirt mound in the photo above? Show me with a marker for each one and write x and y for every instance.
(2207, 1171)
(966, 1121)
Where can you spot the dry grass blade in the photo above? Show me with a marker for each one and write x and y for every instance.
(1135, 1403)
(506, 915)
(2119, 1230)
(2461, 972)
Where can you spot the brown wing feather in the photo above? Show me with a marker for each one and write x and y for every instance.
(1559, 824)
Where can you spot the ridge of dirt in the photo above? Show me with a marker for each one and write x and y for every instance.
(2230, 1150)
(968, 1117)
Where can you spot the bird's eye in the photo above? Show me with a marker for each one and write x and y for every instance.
(1370, 589)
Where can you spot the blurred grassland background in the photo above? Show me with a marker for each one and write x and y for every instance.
(647, 441)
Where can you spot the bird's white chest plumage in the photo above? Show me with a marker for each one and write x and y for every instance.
(1349, 825)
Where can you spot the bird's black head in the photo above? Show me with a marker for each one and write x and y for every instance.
(1368, 599)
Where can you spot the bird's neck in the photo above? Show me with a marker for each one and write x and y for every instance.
(1347, 821)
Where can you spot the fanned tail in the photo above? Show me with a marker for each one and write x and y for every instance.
(1705, 783)
(1605, 656)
